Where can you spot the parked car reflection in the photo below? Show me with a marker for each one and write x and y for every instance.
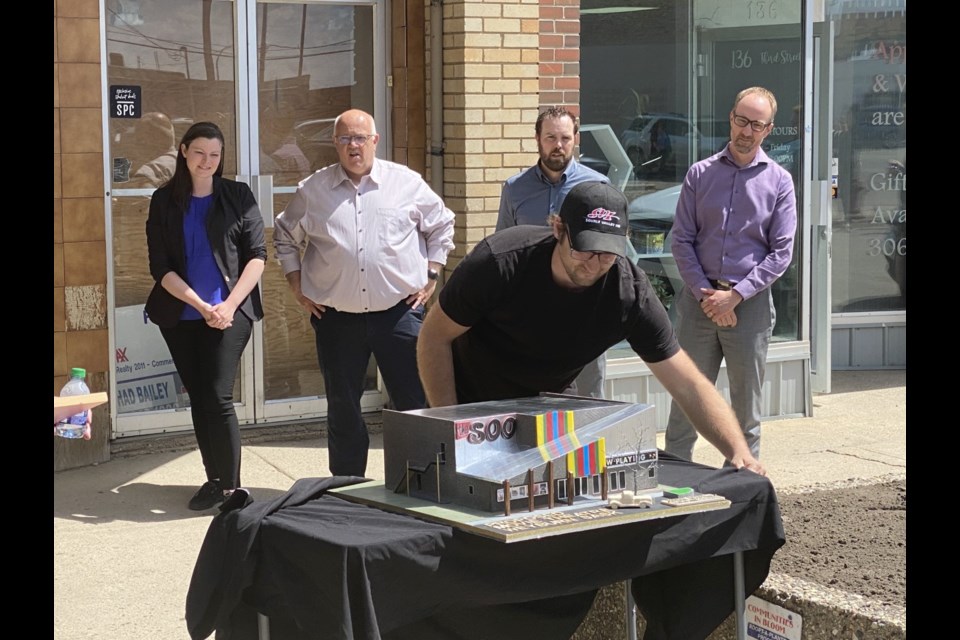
(315, 139)
(650, 219)
(597, 164)
(661, 143)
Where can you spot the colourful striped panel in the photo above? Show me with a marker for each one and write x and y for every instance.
(588, 460)
(542, 437)
(571, 429)
(581, 462)
(551, 429)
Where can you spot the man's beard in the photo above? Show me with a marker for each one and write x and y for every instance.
(555, 163)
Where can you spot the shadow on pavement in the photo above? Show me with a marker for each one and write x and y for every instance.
(141, 502)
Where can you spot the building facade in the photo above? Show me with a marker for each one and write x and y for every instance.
(455, 87)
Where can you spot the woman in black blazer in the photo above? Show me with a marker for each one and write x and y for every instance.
(206, 252)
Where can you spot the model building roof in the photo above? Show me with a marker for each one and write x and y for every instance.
(499, 465)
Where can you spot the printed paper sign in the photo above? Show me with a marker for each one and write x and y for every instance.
(767, 621)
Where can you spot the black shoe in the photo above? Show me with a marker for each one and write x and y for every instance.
(209, 495)
(238, 499)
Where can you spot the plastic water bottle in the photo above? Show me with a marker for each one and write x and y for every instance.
(72, 427)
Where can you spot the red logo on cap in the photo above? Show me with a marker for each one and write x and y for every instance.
(603, 214)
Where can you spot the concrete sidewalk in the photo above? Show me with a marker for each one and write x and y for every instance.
(125, 543)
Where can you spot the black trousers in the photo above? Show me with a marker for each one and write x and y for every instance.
(344, 344)
(207, 361)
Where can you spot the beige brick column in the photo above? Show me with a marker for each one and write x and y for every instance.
(490, 85)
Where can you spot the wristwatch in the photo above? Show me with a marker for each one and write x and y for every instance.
(433, 274)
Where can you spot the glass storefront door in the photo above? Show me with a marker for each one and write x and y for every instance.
(759, 47)
(313, 61)
(273, 75)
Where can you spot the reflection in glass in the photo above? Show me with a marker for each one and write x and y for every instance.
(314, 61)
(180, 56)
(869, 146)
(635, 77)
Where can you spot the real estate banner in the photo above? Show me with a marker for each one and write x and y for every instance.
(147, 380)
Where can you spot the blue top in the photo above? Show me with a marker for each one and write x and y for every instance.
(734, 223)
(529, 197)
(203, 275)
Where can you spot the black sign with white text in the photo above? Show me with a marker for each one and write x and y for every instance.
(124, 101)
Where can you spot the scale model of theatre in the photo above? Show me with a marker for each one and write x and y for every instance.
(541, 450)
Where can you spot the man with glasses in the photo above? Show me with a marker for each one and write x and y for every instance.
(361, 244)
(538, 191)
(732, 238)
(530, 306)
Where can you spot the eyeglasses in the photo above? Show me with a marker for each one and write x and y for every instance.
(756, 125)
(357, 140)
(604, 257)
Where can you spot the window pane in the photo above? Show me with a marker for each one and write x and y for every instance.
(636, 77)
(870, 148)
(178, 55)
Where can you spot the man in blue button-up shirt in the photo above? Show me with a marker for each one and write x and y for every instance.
(732, 238)
(533, 194)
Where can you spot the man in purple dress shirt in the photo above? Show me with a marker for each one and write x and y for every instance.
(732, 238)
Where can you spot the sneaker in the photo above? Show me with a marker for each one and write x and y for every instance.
(237, 499)
(209, 495)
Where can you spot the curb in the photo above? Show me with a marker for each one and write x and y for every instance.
(826, 613)
(829, 613)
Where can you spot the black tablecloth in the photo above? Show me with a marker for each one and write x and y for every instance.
(323, 567)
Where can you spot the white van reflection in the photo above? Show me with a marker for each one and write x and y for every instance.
(650, 222)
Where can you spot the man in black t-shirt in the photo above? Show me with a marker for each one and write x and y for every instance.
(530, 306)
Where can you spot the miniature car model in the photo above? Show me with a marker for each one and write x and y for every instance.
(629, 500)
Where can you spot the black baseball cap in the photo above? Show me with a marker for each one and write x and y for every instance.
(596, 217)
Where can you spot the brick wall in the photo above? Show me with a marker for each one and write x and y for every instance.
(80, 336)
(490, 69)
(560, 54)
(502, 62)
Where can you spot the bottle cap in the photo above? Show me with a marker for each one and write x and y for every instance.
(77, 372)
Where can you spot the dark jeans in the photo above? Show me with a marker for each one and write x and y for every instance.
(207, 361)
(344, 344)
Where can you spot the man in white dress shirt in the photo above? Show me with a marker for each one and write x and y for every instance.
(362, 243)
